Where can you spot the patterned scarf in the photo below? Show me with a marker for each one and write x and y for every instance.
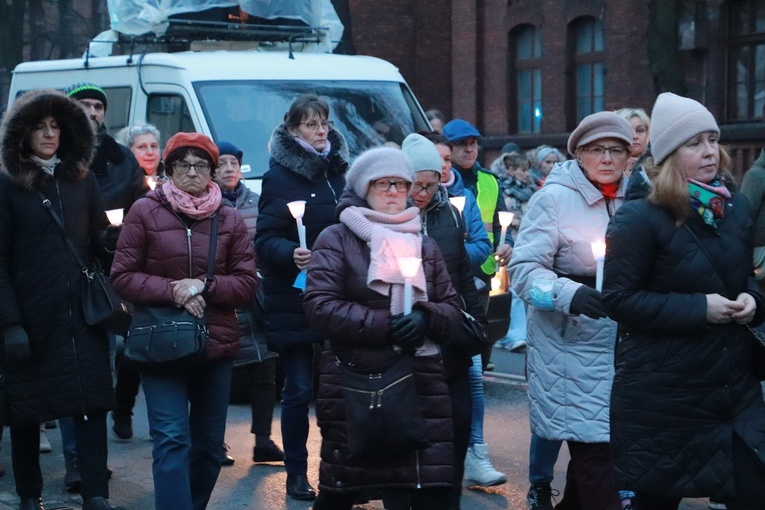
(709, 199)
(234, 194)
(196, 208)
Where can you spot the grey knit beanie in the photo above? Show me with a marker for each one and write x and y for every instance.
(674, 121)
(422, 153)
(375, 164)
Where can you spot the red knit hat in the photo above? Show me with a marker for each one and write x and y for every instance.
(197, 140)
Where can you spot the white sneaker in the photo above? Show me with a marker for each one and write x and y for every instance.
(517, 346)
(478, 468)
(44, 443)
(716, 505)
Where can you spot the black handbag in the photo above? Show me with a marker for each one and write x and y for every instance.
(382, 411)
(101, 306)
(167, 338)
(470, 337)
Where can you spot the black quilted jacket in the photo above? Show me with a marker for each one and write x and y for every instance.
(683, 387)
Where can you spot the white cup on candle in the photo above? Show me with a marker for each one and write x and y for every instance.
(408, 267)
(458, 202)
(151, 181)
(505, 219)
(115, 216)
(599, 253)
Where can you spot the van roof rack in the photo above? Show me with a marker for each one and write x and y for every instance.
(182, 33)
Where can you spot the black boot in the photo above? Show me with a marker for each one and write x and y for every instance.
(299, 488)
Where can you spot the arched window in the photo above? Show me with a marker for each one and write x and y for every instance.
(526, 79)
(746, 60)
(587, 72)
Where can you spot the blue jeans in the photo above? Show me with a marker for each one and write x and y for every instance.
(187, 439)
(476, 393)
(68, 441)
(543, 454)
(517, 329)
(297, 365)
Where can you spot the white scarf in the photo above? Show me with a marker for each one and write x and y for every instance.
(47, 165)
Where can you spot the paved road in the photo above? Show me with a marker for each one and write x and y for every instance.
(261, 487)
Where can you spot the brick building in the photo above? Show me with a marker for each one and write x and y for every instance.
(529, 70)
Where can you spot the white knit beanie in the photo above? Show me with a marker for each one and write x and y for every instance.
(422, 153)
(375, 164)
(674, 121)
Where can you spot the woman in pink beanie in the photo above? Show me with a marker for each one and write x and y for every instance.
(687, 413)
(355, 298)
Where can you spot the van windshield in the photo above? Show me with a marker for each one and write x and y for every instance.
(367, 113)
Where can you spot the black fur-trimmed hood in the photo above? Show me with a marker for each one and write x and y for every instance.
(290, 154)
(76, 144)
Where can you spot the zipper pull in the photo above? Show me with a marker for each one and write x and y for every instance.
(188, 232)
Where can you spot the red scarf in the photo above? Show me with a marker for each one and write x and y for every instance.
(609, 190)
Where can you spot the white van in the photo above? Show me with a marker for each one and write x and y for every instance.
(239, 96)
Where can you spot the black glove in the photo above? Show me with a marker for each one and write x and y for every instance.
(16, 345)
(408, 331)
(588, 301)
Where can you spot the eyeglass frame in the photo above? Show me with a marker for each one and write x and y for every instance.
(391, 184)
(329, 124)
(225, 163)
(424, 188)
(610, 150)
(199, 171)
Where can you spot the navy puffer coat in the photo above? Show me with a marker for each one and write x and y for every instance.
(682, 387)
(294, 174)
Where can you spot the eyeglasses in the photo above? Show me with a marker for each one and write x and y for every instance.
(617, 151)
(429, 189)
(201, 167)
(386, 185)
(314, 126)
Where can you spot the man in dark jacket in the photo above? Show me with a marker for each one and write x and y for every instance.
(121, 182)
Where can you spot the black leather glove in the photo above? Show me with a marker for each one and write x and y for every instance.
(16, 345)
(408, 331)
(588, 301)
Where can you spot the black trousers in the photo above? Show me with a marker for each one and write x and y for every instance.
(262, 378)
(90, 436)
(749, 478)
(128, 382)
(590, 479)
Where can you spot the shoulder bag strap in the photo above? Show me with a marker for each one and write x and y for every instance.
(49, 206)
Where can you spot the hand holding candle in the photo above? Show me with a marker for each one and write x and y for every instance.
(599, 252)
(408, 267)
(505, 219)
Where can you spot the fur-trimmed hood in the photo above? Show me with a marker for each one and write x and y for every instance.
(290, 154)
(76, 141)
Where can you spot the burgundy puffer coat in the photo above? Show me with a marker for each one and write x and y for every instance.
(158, 246)
(355, 319)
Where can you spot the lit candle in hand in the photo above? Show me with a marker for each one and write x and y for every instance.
(408, 267)
(599, 252)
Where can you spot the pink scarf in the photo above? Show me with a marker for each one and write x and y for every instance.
(196, 208)
(389, 236)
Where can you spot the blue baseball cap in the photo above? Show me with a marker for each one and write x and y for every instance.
(457, 130)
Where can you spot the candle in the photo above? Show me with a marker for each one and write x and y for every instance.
(297, 209)
(151, 181)
(505, 219)
(599, 252)
(408, 267)
(115, 216)
(458, 202)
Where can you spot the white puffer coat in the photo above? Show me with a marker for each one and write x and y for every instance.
(570, 357)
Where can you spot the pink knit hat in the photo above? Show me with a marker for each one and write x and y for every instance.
(598, 126)
(674, 121)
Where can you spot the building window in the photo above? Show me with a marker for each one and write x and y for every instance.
(586, 90)
(746, 58)
(526, 79)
